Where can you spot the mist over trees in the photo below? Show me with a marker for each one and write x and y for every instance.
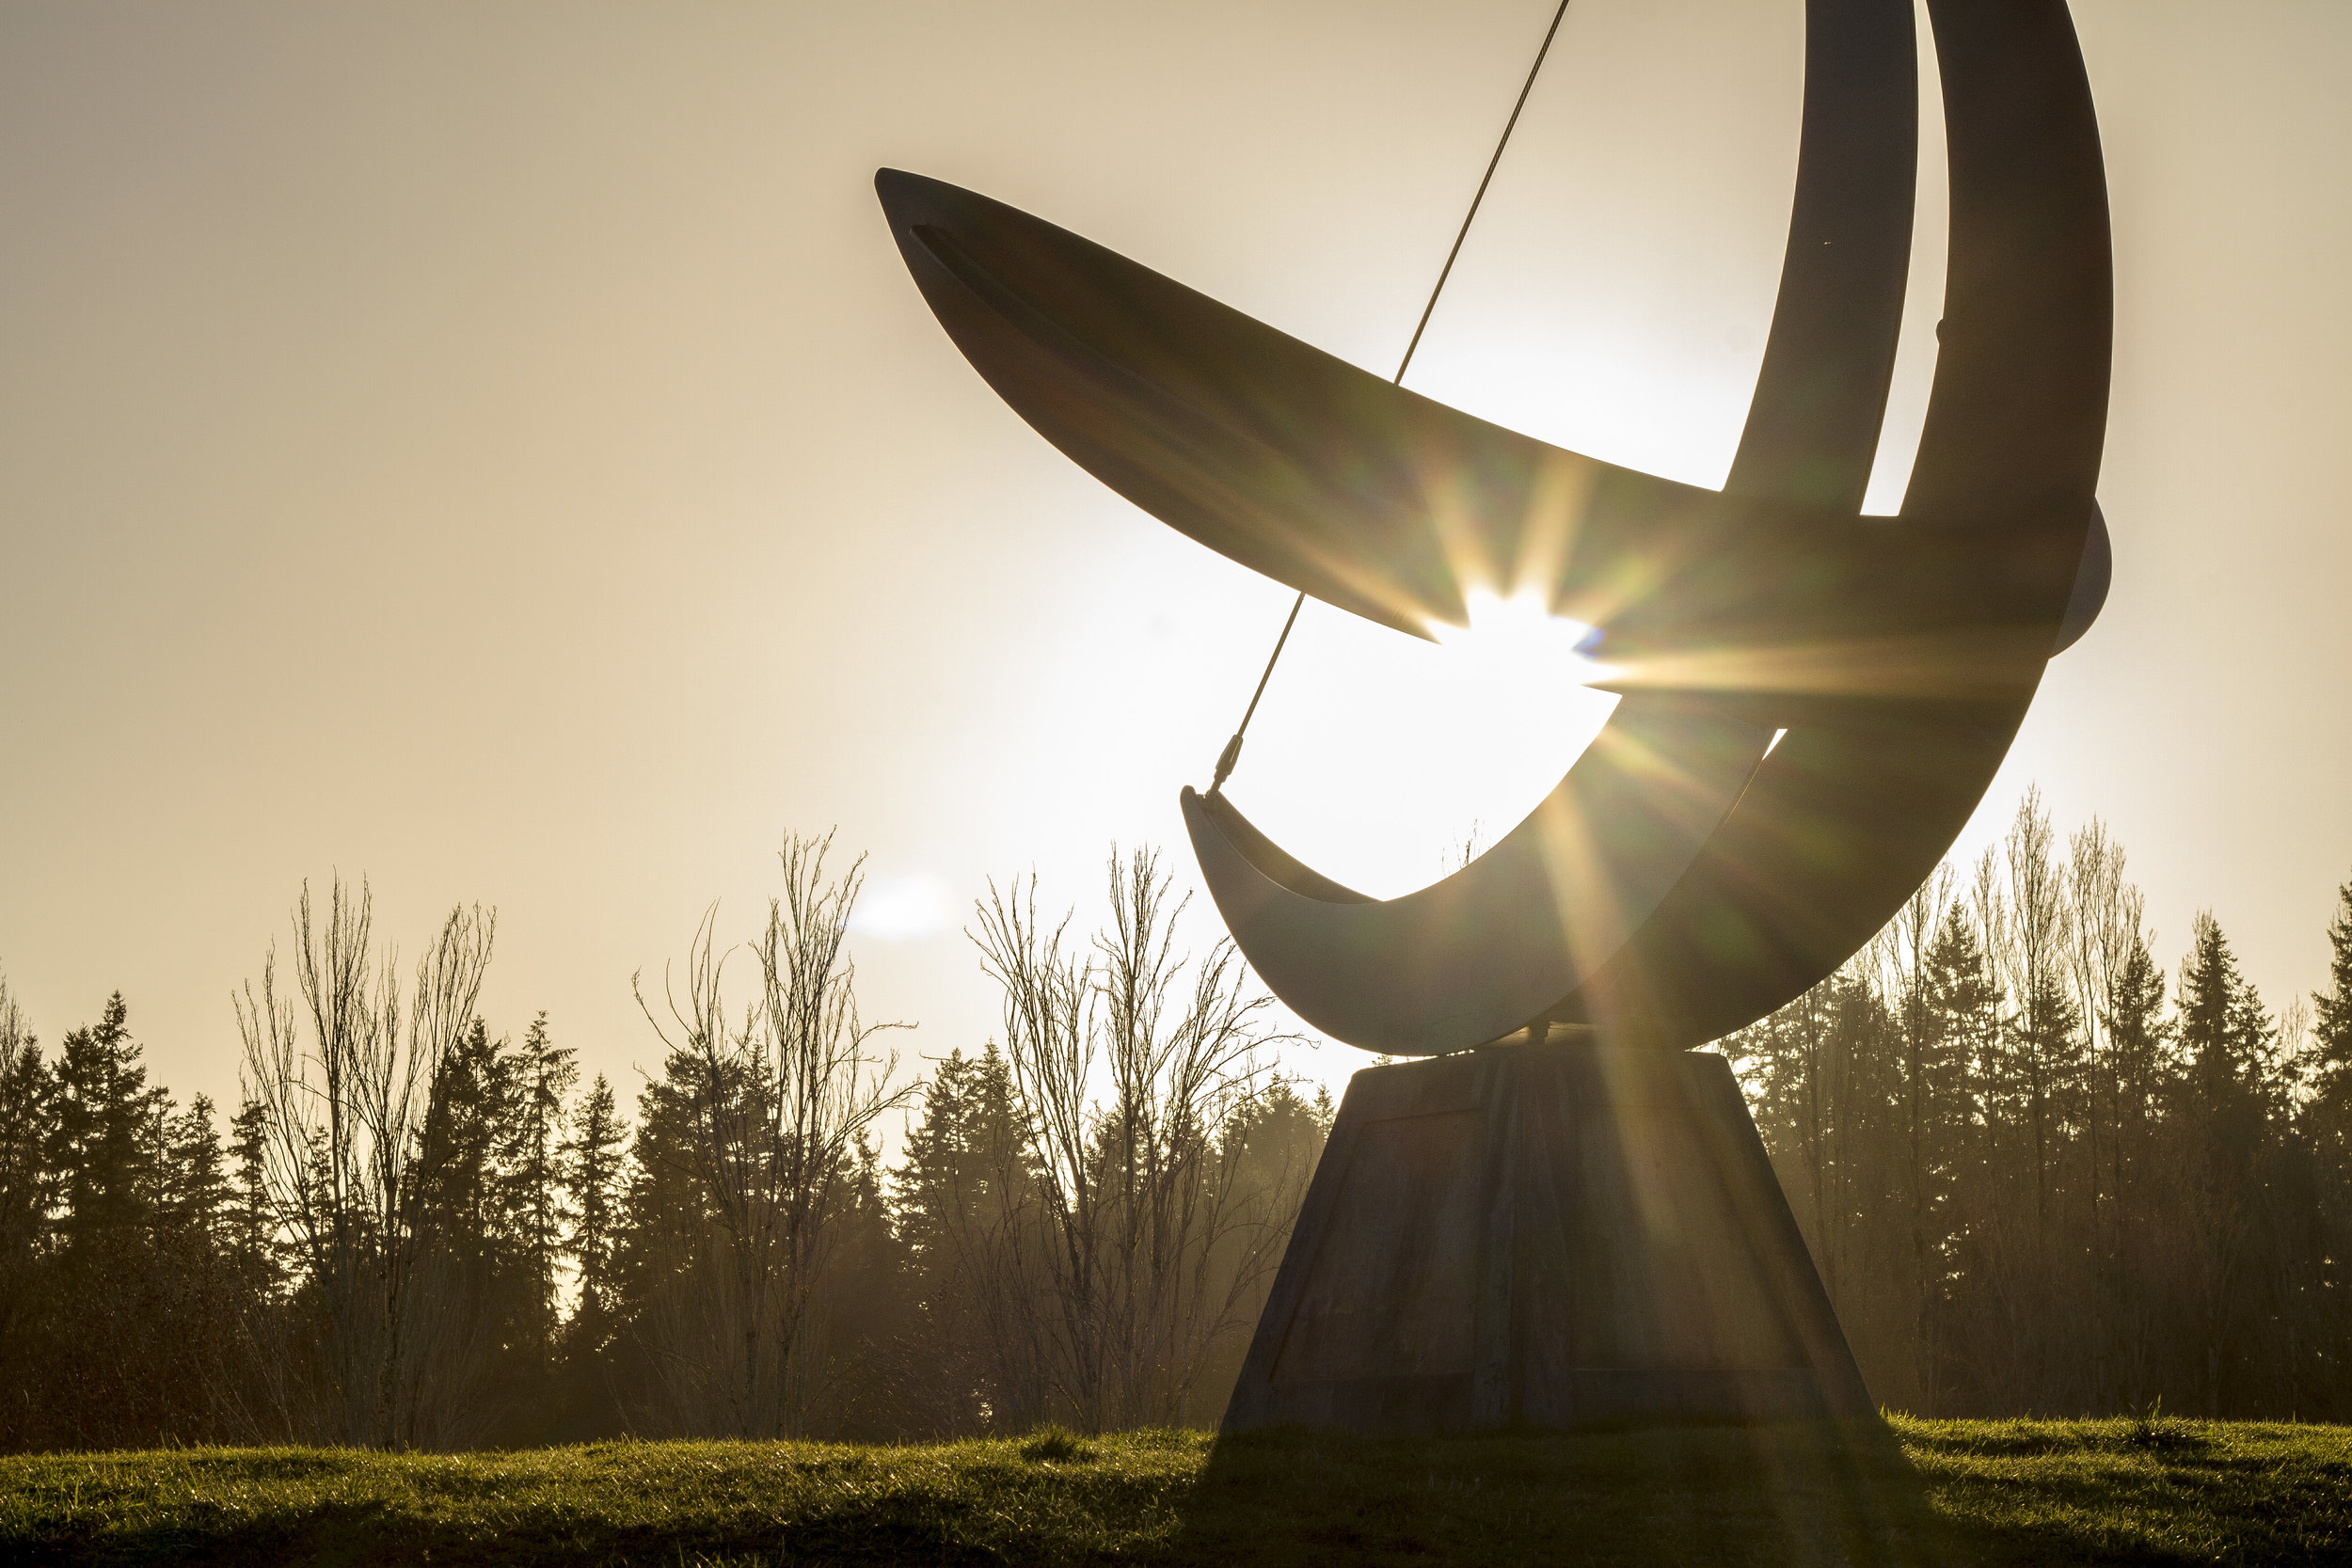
(2041, 1175)
(1159, 1217)
(2040, 1171)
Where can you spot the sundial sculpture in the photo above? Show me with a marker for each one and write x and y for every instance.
(1580, 1223)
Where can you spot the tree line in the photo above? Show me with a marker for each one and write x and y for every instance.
(414, 1232)
(2042, 1175)
(2038, 1171)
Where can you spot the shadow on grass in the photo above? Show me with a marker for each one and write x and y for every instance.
(2142, 1491)
(2102, 1492)
(883, 1531)
(1804, 1494)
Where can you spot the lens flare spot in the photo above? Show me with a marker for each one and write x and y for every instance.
(901, 908)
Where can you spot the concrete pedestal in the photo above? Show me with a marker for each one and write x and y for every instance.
(1544, 1236)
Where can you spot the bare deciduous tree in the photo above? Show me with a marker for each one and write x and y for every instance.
(1127, 1060)
(344, 1105)
(781, 1100)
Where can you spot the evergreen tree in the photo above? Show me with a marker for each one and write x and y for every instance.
(2327, 1127)
(461, 1362)
(2138, 1039)
(1964, 1012)
(28, 1185)
(101, 1151)
(193, 1193)
(128, 1314)
(100, 1285)
(666, 1231)
(2331, 1008)
(2139, 1035)
(964, 1199)
(862, 1314)
(1268, 1149)
(28, 1195)
(1966, 999)
(458, 1196)
(594, 1173)
(2224, 1034)
(531, 1155)
(252, 1225)
(963, 1154)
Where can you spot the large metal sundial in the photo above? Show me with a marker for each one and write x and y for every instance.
(1580, 1223)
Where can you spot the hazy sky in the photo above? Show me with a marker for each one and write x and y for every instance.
(496, 449)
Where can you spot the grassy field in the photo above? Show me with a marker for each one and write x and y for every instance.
(2007, 1492)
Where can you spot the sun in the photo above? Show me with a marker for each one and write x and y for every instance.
(1516, 634)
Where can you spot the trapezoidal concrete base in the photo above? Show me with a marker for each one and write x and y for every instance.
(1544, 1236)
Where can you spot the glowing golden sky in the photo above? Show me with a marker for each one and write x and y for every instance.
(497, 448)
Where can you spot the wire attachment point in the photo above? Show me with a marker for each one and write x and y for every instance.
(1225, 761)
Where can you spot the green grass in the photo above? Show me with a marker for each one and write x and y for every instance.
(2008, 1492)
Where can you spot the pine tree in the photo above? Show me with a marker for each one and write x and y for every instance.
(594, 1173)
(862, 1313)
(936, 1184)
(1275, 1136)
(101, 1151)
(2224, 1033)
(2138, 1044)
(252, 1239)
(136, 1304)
(2326, 1126)
(1964, 1008)
(461, 1366)
(1267, 1153)
(666, 1233)
(2138, 1035)
(2332, 1010)
(457, 1201)
(28, 1111)
(2223, 1036)
(530, 1157)
(28, 1195)
(193, 1193)
(963, 1199)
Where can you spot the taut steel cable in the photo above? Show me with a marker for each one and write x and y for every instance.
(1231, 754)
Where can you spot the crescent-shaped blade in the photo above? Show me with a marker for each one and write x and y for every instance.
(1270, 451)
(1355, 490)
(1477, 955)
